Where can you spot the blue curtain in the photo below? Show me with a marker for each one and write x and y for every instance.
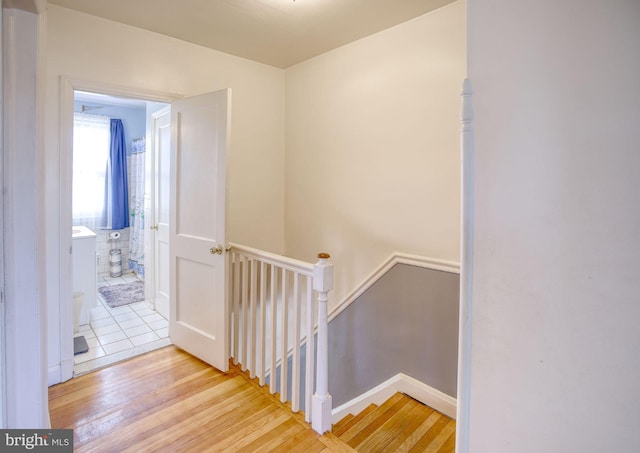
(116, 206)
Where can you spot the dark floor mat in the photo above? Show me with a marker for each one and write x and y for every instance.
(80, 345)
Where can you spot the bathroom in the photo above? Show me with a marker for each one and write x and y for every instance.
(113, 317)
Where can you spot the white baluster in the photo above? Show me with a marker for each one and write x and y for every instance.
(274, 329)
(236, 308)
(295, 356)
(284, 341)
(310, 353)
(253, 295)
(244, 307)
(263, 320)
(322, 283)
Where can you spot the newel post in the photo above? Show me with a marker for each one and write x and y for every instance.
(321, 402)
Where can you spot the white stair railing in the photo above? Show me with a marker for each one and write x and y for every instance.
(272, 317)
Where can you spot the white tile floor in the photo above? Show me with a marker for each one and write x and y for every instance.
(115, 334)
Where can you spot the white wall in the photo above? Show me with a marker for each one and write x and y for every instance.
(556, 305)
(91, 49)
(372, 148)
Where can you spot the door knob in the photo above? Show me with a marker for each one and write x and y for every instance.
(154, 227)
(217, 250)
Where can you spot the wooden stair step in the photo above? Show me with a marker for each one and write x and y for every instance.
(340, 427)
(364, 422)
(414, 419)
(387, 432)
(382, 414)
(436, 436)
(337, 426)
(400, 424)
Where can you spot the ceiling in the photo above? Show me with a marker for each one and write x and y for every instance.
(279, 33)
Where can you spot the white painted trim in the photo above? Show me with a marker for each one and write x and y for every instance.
(3, 327)
(466, 277)
(23, 78)
(403, 384)
(395, 258)
(67, 87)
(53, 375)
(284, 262)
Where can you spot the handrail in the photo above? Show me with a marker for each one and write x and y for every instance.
(291, 264)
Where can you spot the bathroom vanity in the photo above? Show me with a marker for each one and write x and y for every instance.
(84, 269)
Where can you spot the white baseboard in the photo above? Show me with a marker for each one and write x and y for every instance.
(53, 375)
(398, 383)
(60, 372)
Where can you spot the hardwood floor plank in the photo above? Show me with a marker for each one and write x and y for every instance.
(450, 445)
(123, 388)
(167, 400)
(383, 414)
(353, 420)
(306, 441)
(444, 435)
(214, 430)
(419, 414)
(422, 445)
(154, 418)
(196, 421)
(346, 419)
(246, 434)
(129, 367)
(273, 437)
(110, 378)
(334, 444)
(133, 415)
(368, 419)
(131, 404)
(380, 439)
(419, 432)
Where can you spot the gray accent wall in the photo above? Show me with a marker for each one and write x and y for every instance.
(407, 322)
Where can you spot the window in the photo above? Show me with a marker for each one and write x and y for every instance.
(91, 141)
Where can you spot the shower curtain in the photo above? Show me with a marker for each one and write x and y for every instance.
(136, 205)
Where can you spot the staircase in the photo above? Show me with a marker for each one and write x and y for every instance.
(274, 301)
(401, 424)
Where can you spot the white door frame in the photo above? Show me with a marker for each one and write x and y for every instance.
(67, 88)
(3, 391)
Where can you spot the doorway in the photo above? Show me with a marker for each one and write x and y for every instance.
(113, 272)
(198, 233)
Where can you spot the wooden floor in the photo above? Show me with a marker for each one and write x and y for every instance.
(167, 400)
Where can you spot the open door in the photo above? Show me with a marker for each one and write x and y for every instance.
(161, 210)
(198, 286)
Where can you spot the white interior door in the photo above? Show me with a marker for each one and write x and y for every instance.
(160, 226)
(199, 310)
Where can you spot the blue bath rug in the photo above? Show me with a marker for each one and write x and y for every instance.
(125, 294)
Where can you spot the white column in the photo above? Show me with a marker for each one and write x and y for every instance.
(321, 404)
(24, 396)
(466, 271)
